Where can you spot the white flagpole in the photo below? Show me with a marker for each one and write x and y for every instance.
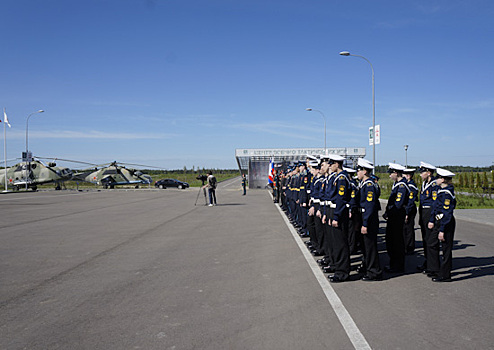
(5, 149)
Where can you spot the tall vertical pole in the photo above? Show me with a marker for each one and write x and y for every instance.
(373, 118)
(346, 53)
(5, 149)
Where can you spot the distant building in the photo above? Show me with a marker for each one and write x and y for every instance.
(255, 162)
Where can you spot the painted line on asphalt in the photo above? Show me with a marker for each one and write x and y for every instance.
(356, 337)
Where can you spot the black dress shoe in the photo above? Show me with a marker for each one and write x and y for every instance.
(315, 252)
(322, 262)
(308, 243)
(425, 272)
(361, 269)
(335, 279)
(421, 267)
(432, 274)
(441, 279)
(328, 269)
(371, 279)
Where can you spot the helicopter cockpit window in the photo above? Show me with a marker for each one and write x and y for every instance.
(110, 172)
(21, 167)
(33, 166)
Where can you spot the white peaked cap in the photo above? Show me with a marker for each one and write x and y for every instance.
(427, 166)
(364, 163)
(336, 157)
(349, 170)
(396, 166)
(444, 173)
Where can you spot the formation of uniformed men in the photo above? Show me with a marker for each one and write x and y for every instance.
(337, 208)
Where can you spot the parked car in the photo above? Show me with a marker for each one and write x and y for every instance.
(164, 183)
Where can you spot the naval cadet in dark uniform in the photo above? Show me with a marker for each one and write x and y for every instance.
(428, 195)
(338, 219)
(443, 224)
(313, 243)
(316, 195)
(411, 213)
(395, 215)
(304, 181)
(369, 206)
(327, 261)
(354, 218)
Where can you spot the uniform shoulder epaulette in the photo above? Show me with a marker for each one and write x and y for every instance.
(341, 176)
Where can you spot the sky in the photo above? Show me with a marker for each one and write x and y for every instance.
(174, 83)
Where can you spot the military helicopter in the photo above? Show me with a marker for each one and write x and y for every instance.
(113, 175)
(34, 173)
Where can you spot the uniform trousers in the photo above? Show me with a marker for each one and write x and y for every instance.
(424, 217)
(327, 239)
(311, 227)
(339, 243)
(370, 261)
(409, 231)
(291, 207)
(319, 230)
(395, 245)
(302, 214)
(354, 225)
(433, 261)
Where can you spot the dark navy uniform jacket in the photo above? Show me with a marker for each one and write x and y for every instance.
(444, 206)
(317, 187)
(412, 197)
(305, 178)
(428, 193)
(399, 196)
(354, 194)
(326, 193)
(369, 193)
(340, 195)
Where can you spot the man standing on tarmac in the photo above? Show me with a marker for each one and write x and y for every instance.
(395, 215)
(428, 195)
(338, 219)
(244, 184)
(368, 205)
(211, 186)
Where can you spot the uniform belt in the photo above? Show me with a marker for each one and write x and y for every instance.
(362, 210)
(315, 200)
(308, 191)
(331, 204)
(426, 206)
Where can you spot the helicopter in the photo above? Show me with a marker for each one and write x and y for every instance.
(34, 173)
(113, 175)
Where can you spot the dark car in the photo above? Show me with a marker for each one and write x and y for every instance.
(164, 183)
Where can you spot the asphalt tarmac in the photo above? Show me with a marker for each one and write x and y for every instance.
(146, 269)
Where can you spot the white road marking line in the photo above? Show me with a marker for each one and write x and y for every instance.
(356, 337)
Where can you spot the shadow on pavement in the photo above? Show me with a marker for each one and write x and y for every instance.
(478, 267)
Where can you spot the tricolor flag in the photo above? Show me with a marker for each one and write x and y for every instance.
(5, 119)
(271, 172)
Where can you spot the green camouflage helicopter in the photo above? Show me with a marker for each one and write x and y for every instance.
(30, 175)
(114, 175)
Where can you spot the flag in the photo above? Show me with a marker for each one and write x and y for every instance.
(6, 120)
(271, 172)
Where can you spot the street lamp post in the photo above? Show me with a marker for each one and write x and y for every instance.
(406, 156)
(28, 166)
(346, 53)
(323, 117)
